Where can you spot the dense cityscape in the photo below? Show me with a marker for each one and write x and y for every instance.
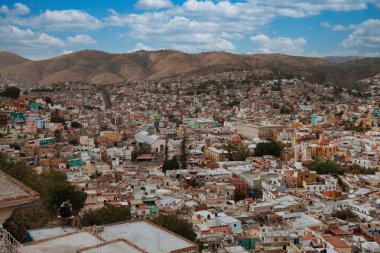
(219, 163)
(190, 126)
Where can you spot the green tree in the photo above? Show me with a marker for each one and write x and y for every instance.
(58, 134)
(48, 100)
(269, 148)
(325, 166)
(184, 152)
(52, 186)
(76, 124)
(166, 153)
(55, 118)
(73, 142)
(170, 164)
(344, 214)
(11, 92)
(106, 215)
(239, 196)
(176, 225)
(236, 152)
(24, 218)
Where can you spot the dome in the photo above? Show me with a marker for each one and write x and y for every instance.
(323, 141)
(235, 138)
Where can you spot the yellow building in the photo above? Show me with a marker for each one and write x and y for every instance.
(305, 176)
(214, 154)
(307, 151)
(324, 148)
(112, 136)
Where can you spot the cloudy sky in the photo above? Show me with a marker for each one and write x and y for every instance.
(46, 28)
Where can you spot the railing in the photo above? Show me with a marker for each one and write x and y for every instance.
(8, 244)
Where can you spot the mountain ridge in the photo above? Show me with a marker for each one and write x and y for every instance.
(98, 67)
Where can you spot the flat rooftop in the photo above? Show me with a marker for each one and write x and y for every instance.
(13, 192)
(69, 243)
(117, 246)
(45, 233)
(146, 236)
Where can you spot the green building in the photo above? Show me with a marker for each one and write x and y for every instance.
(247, 241)
(74, 162)
(47, 141)
(33, 106)
(17, 116)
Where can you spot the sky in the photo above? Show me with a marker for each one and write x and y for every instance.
(46, 28)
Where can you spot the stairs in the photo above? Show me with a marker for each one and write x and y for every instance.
(8, 244)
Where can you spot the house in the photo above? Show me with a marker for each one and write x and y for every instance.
(156, 142)
(336, 244)
(13, 193)
(233, 223)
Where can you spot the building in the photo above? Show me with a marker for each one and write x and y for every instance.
(254, 130)
(13, 194)
(215, 154)
(156, 142)
(135, 236)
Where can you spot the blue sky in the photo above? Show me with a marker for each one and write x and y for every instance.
(47, 28)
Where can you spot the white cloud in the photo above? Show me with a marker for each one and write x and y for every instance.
(60, 20)
(153, 4)
(18, 9)
(50, 40)
(224, 21)
(365, 39)
(141, 46)
(67, 51)
(13, 38)
(81, 39)
(337, 27)
(285, 45)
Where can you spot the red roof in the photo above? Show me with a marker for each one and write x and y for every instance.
(221, 229)
(145, 156)
(336, 242)
(338, 231)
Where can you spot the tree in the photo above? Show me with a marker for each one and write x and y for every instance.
(325, 166)
(58, 134)
(236, 152)
(166, 153)
(184, 153)
(24, 218)
(76, 124)
(170, 164)
(239, 196)
(48, 100)
(52, 186)
(11, 92)
(73, 142)
(344, 214)
(55, 118)
(269, 148)
(176, 225)
(105, 215)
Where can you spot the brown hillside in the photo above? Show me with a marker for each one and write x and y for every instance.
(105, 68)
(8, 59)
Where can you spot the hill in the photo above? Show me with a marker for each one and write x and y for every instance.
(98, 67)
(340, 59)
(8, 59)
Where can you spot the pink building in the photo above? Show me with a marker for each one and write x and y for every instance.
(31, 127)
(290, 182)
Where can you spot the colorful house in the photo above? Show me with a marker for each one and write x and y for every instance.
(74, 162)
(47, 141)
(17, 116)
